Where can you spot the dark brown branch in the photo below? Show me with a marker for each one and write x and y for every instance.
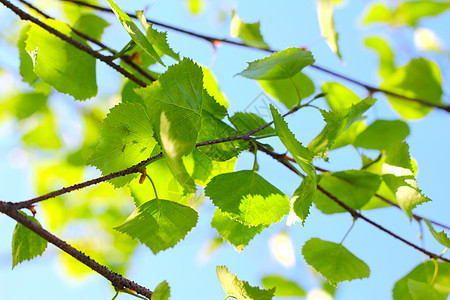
(118, 281)
(212, 39)
(106, 59)
(353, 212)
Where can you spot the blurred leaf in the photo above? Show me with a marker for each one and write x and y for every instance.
(44, 135)
(423, 273)
(67, 69)
(334, 261)
(248, 32)
(420, 79)
(136, 35)
(161, 292)
(25, 105)
(426, 40)
(241, 290)
(26, 63)
(283, 287)
(91, 25)
(382, 134)
(377, 13)
(384, 51)
(195, 6)
(26, 244)
(424, 291)
(248, 198)
(285, 91)
(353, 187)
(339, 96)
(281, 65)
(234, 231)
(410, 12)
(159, 224)
(246, 122)
(327, 25)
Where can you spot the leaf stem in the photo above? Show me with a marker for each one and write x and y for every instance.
(153, 184)
(436, 270)
(296, 90)
(348, 231)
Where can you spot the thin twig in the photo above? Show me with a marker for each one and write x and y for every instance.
(212, 39)
(106, 59)
(353, 212)
(118, 281)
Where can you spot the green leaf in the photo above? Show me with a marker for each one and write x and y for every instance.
(377, 13)
(424, 291)
(156, 38)
(126, 138)
(338, 96)
(410, 12)
(246, 122)
(398, 176)
(285, 91)
(212, 88)
(196, 6)
(248, 198)
(283, 287)
(212, 129)
(25, 105)
(135, 33)
(348, 136)
(441, 237)
(378, 44)
(303, 197)
(234, 231)
(420, 79)
(334, 261)
(326, 21)
(44, 135)
(241, 290)
(159, 224)
(91, 25)
(337, 122)
(161, 292)
(174, 104)
(353, 187)
(424, 273)
(281, 65)
(26, 63)
(128, 94)
(25, 243)
(248, 32)
(67, 69)
(382, 134)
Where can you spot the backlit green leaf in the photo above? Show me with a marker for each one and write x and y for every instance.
(26, 63)
(246, 122)
(382, 134)
(241, 290)
(248, 32)
(25, 243)
(281, 65)
(303, 197)
(248, 198)
(334, 261)
(378, 44)
(283, 287)
(67, 69)
(378, 12)
(424, 291)
(441, 237)
(126, 138)
(161, 292)
(339, 96)
(410, 12)
(91, 25)
(234, 231)
(159, 224)
(327, 26)
(135, 33)
(44, 135)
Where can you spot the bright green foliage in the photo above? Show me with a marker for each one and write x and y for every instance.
(284, 90)
(420, 79)
(26, 244)
(159, 224)
(326, 21)
(241, 290)
(339, 96)
(398, 176)
(126, 138)
(246, 122)
(281, 65)
(420, 279)
(234, 231)
(353, 187)
(91, 25)
(337, 122)
(248, 32)
(174, 104)
(24, 105)
(60, 64)
(213, 129)
(441, 237)
(196, 6)
(382, 134)
(378, 44)
(303, 197)
(334, 261)
(211, 86)
(44, 135)
(161, 292)
(135, 33)
(248, 198)
(283, 287)
(157, 39)
(26, 63)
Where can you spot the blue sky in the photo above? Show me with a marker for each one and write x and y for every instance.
(284, 24)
